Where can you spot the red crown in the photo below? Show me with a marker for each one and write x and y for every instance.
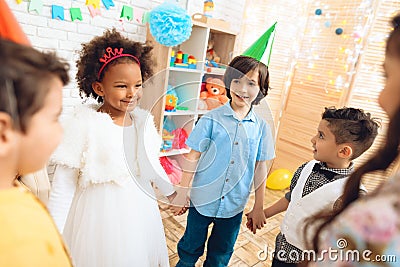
(111, 55)
(108, 57)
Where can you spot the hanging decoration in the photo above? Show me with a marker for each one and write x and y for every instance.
(94, 11)
(36, 5)
(108, 3)
(127, 12)
(318, 12)
(94, 3)
(146, 17)
(57, 12)
(170, 24)
(138, 15)
(75, 13)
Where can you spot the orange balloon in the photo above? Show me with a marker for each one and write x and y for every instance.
(9, 27)
(279, 179)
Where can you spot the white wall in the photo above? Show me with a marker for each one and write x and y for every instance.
(65, 37)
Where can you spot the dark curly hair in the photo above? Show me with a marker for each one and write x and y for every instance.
(239, 67)
(89, 65)
(24, 76)
(352, 125)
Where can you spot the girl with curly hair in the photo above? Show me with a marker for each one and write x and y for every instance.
(102, 197)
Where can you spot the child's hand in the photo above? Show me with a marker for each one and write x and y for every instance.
(171, 197)
(256, 220)
(249, 223)
(180, 202)
(178, 211)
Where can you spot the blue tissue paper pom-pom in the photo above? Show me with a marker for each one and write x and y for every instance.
(170, 24)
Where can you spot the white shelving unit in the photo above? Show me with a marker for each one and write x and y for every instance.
(186, 82)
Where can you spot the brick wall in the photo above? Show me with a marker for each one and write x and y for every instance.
(65, 37)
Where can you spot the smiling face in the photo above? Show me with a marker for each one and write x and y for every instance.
(244, 90)
(121, 89)
(389, 98)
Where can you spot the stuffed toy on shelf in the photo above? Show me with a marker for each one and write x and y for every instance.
(215, 94)
(212, 57)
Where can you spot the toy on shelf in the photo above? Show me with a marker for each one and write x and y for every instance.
(167, 135)
(208, 8)
(172, 169)
(172, 137)
(181, 60)
(211, 63)
(215, 93)
(211, 55)
(180, 137)
(192, 62)
(172, 100)
(172, 59)
(170, 103)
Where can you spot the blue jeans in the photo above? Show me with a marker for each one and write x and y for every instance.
(220, 244)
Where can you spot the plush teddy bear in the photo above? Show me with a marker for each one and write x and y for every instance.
(215, 94)
(211, 55)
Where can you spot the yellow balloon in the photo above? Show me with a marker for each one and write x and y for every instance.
(279, 179)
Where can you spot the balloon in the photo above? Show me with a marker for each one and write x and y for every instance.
(318, 12)
(279, 179)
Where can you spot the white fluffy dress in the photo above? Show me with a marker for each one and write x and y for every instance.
(110, 210)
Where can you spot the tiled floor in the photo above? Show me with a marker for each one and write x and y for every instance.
(248, 245)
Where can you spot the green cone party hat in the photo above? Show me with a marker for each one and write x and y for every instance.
(261, 49)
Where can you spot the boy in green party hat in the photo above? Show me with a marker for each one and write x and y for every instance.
(230, 147)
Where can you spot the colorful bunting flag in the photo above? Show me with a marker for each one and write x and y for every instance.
(75, 13)
(108, 3)
(138, 14)
(94, 3)
(94, 11)
(127, 12)
(146, 17)
(36, 5)
(57, 12)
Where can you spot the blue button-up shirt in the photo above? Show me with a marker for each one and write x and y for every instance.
(229, 150)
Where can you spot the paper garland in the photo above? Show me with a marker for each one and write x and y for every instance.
(36, 5)
(108, 3)
(94, 3)
(138, 14)
(75, 13)
(57, 12)
(93, 11)
(129, 13)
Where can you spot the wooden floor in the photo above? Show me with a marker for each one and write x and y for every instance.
(247, 245)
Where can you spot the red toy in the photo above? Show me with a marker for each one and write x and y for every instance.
(215, 94)
(180, 138)
(172, 169)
